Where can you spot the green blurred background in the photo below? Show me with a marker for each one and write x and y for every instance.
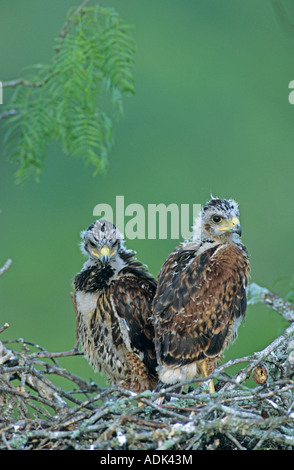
(210, 115)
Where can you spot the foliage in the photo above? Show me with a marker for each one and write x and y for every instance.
(75, 98)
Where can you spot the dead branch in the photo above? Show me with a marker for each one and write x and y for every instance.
(271, 299)
(68, 25)
(5, 267)
(36, 412)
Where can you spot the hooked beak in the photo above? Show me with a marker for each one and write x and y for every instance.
(233, 226)
(104, 255)
(105, 260)
(236, 226)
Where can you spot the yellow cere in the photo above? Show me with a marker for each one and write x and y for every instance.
(105, 251)
(229, 224)
(235, 221)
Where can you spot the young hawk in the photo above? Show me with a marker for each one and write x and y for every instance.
(201, 295)
(113, 296)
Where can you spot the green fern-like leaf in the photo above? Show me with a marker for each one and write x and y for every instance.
(77, 96)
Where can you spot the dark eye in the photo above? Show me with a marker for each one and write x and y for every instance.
(216, 219)
(92, 244)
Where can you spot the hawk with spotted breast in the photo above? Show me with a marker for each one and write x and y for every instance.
(113, 296)
(201, 295)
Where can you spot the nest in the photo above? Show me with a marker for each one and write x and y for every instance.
(252, 409)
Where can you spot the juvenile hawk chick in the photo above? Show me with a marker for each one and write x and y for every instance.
(201, 295)
(113, 294)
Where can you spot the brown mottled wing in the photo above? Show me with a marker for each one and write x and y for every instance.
(197, 302)
(132, 299)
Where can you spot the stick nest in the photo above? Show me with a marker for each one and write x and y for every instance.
(251, 409)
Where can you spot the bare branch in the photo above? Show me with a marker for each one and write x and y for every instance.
(37, 84)
(67, 27)
(21, 81)
(271, 349)
(85, 416)
(5, 267)
(10, 113)
(4, 327)
(271, 299)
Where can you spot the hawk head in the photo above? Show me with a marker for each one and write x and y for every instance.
(102, 242)
(218, 221)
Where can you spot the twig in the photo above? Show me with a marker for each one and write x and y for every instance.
(4, 327)
(54, 355)
(5, 267)
(65, 28)
(271, 299)
(11, 112)
(235, 416)
(38, 84)
(234, 440)
(27, 83)
(261, 356)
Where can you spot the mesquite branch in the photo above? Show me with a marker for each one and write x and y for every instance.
(271, 299)
(5, 267)
(68, 25)
(37, 413)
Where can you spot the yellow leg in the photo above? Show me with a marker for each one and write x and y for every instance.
(204, 372)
